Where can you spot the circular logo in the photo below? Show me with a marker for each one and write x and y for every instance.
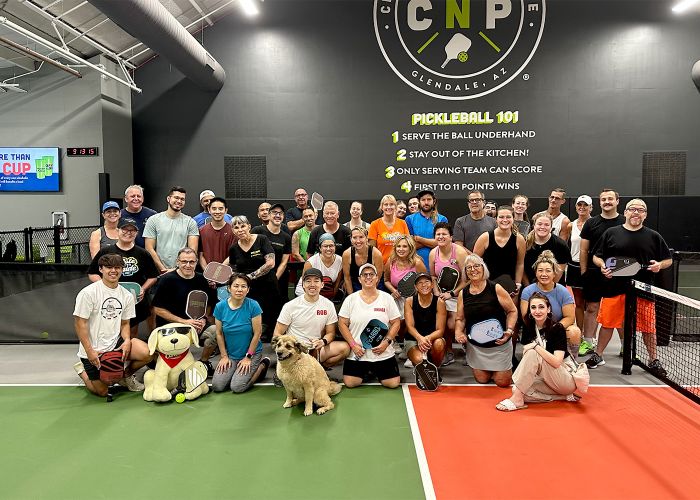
(458, 49)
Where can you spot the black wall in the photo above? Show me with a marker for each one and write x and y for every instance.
(308, 87)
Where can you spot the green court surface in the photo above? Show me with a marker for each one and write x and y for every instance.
(60, 442)
(689, 281)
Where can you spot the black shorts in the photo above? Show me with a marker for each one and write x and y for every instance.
(593, 285)
(383, 370)
(573, 275)
(92, 371)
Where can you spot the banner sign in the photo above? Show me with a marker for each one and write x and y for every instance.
(30, 169)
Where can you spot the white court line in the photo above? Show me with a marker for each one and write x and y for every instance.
(270, 384)
(418, 443)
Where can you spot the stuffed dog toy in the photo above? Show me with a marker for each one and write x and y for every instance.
(303, 377)
(174, 363)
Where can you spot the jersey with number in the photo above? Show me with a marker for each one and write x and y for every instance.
(105, 308)
(306, 320)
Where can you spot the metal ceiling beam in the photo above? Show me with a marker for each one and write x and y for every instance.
(17, 59)
(150, 22)
(36, 55)
(201, 12)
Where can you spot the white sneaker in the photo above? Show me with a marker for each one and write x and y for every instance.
(79, 368)
(132, 384)
(408, 364)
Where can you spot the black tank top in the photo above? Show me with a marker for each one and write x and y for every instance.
(501, 260)
(355, 268)
(482, 306)
(424, 317)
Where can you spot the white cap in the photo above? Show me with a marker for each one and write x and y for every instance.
(584, 198)
(206, 192)
(363, 266)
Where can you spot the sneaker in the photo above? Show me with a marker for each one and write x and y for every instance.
(131, 383)
(276, 380)
(265, 363)
(595, 361)
(656, 368)
(586, 348)
(210, 367)
(408, 364)
(449, 359)
(79, 368)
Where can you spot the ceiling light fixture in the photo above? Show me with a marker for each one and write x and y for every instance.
(683, 5)
(249, 8)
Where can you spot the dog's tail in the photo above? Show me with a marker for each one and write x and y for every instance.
(335, 388)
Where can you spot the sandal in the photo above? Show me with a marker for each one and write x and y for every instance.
(508, 405)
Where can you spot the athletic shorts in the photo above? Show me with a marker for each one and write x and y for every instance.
(383, 370)
(612, 314)
(573, 275)
(92, 371)
(593, 285)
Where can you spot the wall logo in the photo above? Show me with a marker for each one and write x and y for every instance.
(458, 49)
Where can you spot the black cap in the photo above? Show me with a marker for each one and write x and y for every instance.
(424, 192)
(312, 272)
(420, 276)
(277, 205)
(127, 221)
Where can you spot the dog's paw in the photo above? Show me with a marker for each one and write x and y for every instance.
(322, 410)
(308, 412)
(287, 404)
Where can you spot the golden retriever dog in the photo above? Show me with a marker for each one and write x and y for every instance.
(303, 377)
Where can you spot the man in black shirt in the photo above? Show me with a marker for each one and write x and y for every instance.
(170, 300)
(593, 282)
(138, 268)
(647, 246)
(340, 233)
(282, 245)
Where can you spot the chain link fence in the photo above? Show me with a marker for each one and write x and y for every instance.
(48, 245)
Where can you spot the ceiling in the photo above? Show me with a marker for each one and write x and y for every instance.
(87, 32)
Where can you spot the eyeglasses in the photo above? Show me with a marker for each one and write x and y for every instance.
(636, 210)
(302, 195)
(276, 214)
(476, 200)
(132, 231)
(555, 198)
(473, 267)
(188, 262)
(368, 275)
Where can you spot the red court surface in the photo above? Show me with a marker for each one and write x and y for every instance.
(632, 442)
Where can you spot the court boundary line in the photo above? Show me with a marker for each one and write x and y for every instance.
(404, 384)
(425, 477)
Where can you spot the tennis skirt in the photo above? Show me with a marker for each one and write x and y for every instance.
(492, 359)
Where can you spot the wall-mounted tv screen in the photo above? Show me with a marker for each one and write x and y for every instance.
(30, 169)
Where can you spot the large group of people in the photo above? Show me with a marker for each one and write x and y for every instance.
(541, 280)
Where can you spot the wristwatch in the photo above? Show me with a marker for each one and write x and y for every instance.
(390, 341)
(249, 355)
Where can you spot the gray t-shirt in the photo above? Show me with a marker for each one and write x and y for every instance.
(170, 235)
(468, 230)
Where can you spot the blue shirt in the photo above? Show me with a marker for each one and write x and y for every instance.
(140, 219)
(203, 217)
(558, 297)
(237, 326)
(419, 225)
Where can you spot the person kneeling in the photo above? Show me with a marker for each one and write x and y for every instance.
(311, 319)
(541, 376)
(425, 316)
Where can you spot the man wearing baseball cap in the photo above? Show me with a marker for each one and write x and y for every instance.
(138, 268)
(421, 224)
(203, 217)
(312, 319)
(281, 243)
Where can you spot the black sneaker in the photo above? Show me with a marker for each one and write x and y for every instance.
(210, 368)
(595, 361)
(265, 363)
(656, 368)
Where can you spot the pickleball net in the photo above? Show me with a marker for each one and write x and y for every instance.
(673, 353)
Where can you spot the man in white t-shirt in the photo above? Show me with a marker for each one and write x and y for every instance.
(312, 319)
(102, 313)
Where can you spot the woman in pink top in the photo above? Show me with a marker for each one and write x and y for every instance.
(447, 254)
(384, 232)
(403, 260)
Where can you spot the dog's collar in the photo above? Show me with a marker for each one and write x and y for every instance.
(172, 361)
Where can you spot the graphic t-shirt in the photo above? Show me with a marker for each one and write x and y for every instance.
(386, 237)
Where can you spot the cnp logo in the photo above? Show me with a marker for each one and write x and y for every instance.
(458, 49)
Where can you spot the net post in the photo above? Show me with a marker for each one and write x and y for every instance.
(630, 329)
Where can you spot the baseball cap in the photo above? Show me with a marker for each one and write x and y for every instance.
(206, 192)
(127, 221)
(110, 204)
(584, 198)
(277, 205)
(364, 266)
(312, 272)
(421, 276)
(424, 192)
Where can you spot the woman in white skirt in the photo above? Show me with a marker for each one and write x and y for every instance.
(486, 317)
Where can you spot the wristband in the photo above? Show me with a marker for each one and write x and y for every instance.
(325, 342)
(353, 344)
(453, 293)
(249, 355)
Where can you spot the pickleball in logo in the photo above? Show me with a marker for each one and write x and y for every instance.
(458, 49)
